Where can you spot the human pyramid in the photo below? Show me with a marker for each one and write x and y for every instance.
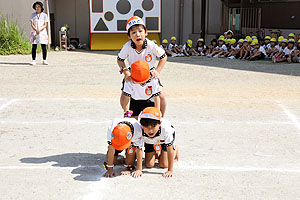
(144, 105)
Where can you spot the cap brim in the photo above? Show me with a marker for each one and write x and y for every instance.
(141, 81)
(121, 148)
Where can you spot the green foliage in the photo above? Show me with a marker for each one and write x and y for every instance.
(12, 40)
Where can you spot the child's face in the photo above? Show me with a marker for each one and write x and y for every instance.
(298, 44)
(283, 44)
(290, 45)
(38, 8)
(150, 130)
(272, 44)
(229, 35)
(234, 45)
(221, 42)
(267, 41)
(214, 43)
(173, 41)
(256, 46)
(200, 44)
(164, 44)
(138, 35)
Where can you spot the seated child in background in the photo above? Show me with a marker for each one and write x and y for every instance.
(296, 55)
(123, 134)
(143, 91)
(258, 53)
(164, 46)
(187, 49)
(245, 50)
(212, 46)
(159, 139)
(234, 49)
(173, 47)
(228, 35)
(271, 50)
(287, 52)
(280, 54)
(267, 42)
(220, 49)
(291, 36)
(200, 47)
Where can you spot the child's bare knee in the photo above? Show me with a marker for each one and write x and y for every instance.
(163, 165)
(149, 165)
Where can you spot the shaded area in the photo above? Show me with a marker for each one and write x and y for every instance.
(13, 63)
(89, 166)
(265, 66)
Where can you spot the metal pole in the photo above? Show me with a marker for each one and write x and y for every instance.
(48, 28)
(203, 18)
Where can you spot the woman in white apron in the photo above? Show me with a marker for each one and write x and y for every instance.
(39, 22)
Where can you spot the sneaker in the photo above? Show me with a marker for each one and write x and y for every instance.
(209, 55)
(289, 60)
(216, 56)
(45, 62)
(274, 59)
(33, 63)
(231, 57)
(221, 56)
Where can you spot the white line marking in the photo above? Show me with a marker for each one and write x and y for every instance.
(3, 106)
(290, 115)
(55, 122)
(97, 188)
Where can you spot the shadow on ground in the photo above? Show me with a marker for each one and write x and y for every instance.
(87, 166)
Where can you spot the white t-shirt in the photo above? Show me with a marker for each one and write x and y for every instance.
(267, 46)
(185, 47)
(262, 49)
(288, 51)
(137, 140)
(142, 91)
(235, 48)
(164, 48)
(39, 21)
(200, 48)
(171, 46)
(148, 53)
(223, 47)
(165, 134)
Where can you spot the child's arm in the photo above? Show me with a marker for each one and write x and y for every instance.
(156, 102)
(161, 63)
(139, 162)
(110, 162)
(45, 25)
(34, 28)
(170, 151)
(127, 75)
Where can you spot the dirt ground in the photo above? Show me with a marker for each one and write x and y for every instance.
(237, 124)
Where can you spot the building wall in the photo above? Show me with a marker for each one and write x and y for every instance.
(19, 11)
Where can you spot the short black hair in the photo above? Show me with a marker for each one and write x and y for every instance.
(39, 3)
(149, 122)
(136, 25)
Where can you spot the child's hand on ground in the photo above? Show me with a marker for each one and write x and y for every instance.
(168, 174)
(154, 73)
(137, 174)
(110, 173)
(127, 77)
(126, 172)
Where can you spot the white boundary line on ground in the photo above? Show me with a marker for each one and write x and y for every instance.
(88, 121)
(55, 122)
(289, 114)
(5, 105)
(178, 165)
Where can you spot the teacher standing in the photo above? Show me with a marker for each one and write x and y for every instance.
(39, 22)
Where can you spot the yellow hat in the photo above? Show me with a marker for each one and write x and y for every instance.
(165, 41)
(291, 41)
(228, 41)
(233, 41)
(254, 37)
(249, 38)
(200, 40)
(291, 35)
(190, 43)
(298, 41)
(241, 40)
(222, 36)
(280, 37)
(268, 37)
(253, 43)
(173, 38)
(273, 40)
(284, 40)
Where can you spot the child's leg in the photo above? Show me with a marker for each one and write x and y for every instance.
(163, 101)
(129, 161)
(33, 52)
(44, 49)
(125, 102)
(163, 158)
(150, 159)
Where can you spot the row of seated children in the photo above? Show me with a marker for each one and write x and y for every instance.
(250, 48)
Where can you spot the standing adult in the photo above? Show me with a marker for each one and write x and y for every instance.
(39, 22)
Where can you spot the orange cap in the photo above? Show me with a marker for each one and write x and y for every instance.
(140, 72)
(151, 113)
(121, 137)
(134, 21)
